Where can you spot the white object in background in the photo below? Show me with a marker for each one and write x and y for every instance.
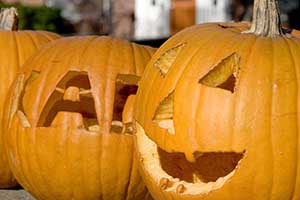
(152, 19)
(212, 11)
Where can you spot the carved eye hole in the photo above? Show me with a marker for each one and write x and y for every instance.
(126, 85)
(224, 74)
(166, 60)
(16, 103)
(76, 79)
(71, 101)
(163, 116)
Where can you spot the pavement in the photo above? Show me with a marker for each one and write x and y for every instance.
(15, 194)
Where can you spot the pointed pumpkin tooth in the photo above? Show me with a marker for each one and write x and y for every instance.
(180, 188)
(164, 183)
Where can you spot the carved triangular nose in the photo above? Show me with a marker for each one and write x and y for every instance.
(72, 94)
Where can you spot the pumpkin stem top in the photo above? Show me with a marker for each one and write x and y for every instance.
(9, 19)
(266, 19)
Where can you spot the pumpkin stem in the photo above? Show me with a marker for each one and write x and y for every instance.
(266, 19)
(9, 19)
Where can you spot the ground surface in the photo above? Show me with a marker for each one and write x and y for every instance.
(15, 195)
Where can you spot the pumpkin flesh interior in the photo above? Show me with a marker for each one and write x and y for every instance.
(174, 173)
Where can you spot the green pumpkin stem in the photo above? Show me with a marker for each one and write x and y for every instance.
(266, 19)
(9, 19)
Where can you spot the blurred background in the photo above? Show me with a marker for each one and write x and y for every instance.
(144, 21)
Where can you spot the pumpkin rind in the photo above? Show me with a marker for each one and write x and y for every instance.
(68, 158)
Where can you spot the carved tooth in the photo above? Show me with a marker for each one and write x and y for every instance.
(116, 127)
(164, 183)
(60, 90)
(94, 128)
(128, 128)
(180, 188)
(116, 123)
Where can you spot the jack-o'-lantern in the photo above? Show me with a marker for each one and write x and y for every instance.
(16, 47)
(69, 120)
(218, 112)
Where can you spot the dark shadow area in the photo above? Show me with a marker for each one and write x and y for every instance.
(207, 168)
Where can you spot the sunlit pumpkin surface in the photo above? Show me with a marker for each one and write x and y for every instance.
(70, 120)
(218, 116)
(16, 47)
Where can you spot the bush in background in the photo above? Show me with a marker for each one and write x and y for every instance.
(41, 18)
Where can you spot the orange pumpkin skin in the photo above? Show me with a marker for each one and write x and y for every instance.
(61, 142)
(16, 48)
(257, 119)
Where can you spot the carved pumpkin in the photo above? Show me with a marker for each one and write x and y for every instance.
(218, 113)
(70, 120)
(16, 48)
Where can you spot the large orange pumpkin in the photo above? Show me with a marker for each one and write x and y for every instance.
(70, 120)
(16, 47)
(218, 113)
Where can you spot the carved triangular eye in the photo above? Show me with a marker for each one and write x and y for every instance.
(126, 85)
(164, 114)
(73, 95)
(224, 74)
(166, 60)
(78, 79)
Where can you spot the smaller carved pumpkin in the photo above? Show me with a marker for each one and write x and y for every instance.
(16, 47)
(70, 120)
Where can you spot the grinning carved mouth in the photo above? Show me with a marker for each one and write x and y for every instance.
(174, 173)
(208, 167)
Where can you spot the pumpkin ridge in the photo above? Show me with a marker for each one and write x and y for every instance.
(134, 58)
(235, 42)
(287, 41)
(23, 161)
(128, 182)
(91, 40)
(148, 52)
(236, 86)
(44, 33)
(17, 54)
(32, 39)
(36, 160)
(270, 130)
(110, 57)
(237, 96)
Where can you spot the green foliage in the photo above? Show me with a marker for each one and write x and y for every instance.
(41, 18)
